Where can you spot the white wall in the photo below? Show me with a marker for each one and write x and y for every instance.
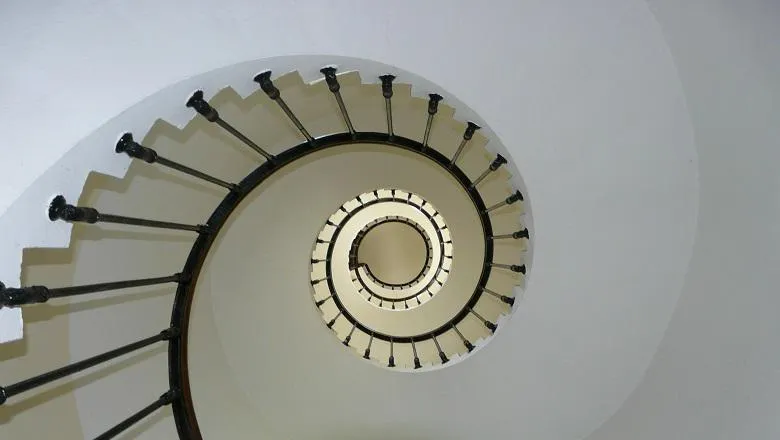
(717, 373)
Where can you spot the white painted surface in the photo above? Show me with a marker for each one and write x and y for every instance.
(716, 375)
(558, 63)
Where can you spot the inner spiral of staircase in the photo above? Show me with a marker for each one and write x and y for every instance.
(350, 157)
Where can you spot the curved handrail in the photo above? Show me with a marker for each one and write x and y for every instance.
(381, 221)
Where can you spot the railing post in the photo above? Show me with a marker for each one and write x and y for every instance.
(471, 128)
(43, 379)
(59, 209)
(349, 336)
(367, 352)
(165, 399)
(442, 356)
(127, 145)
(211, 114)
(487, 323)
(335, 87)
(387, 92)
(516, 197)
(14, 297)
(523, 233)
(469, 345)
(507, 299)
(513, 267)
(264, 79)
(433, 108)
(497, 162)
(416, 358)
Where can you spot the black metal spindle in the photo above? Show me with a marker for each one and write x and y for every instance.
(507, 299)
(165, 399)
(335, 88)
(349, 336)
(497, 162)
(523, 233)
(14, 297)
(513, 267)
(333, 321)
(127, 145)
(469, 345)
(516, 197)
(367, 352)
(323, 300)
(264, 79)
(467, 135)
(442, 356)
(387, 92)
(200, 105)
(59, 209)
(487, 323)
(416, 358)
(42, 379)
(319, 281)
(433, 108)
(391, 359)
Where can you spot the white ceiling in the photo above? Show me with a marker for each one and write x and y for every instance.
(599, 103)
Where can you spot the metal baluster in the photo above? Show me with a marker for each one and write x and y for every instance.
(200, 105)
(264, 79)
(391, 359)
(512, 267)
(497, 162)
(42, 379)
(14, 297)
(416, 359)
(467, 135)
(517, 196)
(367, 353)
(349, 336)
(507, 299)
(165, 399)
(487, 323)
(442, 356)
(323, 300)
(433, 108)
(335, 87)
(523, 233)
(469, 345)
(333, 321)
(319, 281)
(387, 92)
(135, 150)
(59, 209)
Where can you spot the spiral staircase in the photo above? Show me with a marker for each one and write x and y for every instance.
(271, 201)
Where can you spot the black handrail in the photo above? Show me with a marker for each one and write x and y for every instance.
(381, 221)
